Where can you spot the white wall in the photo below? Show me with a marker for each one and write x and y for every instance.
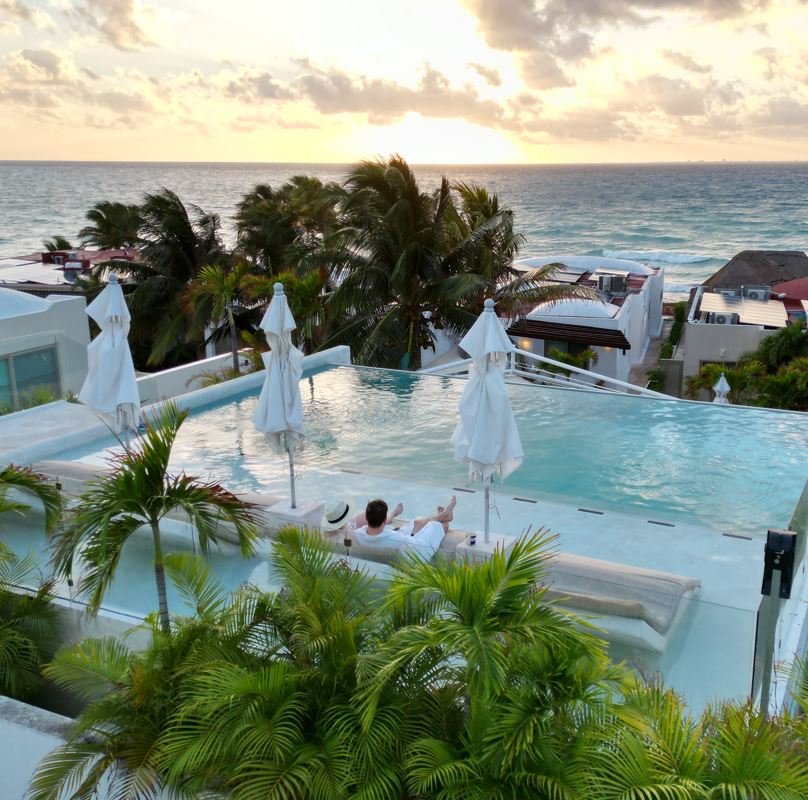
(702, 341)
(179, 380)
(64, 324)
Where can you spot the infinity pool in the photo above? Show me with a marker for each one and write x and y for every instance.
(735, 469)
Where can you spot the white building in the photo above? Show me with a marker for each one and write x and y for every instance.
(618, 325)
(755, 294)
(43, 347)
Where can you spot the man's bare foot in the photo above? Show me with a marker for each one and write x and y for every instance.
(397, 511)
(447, 514)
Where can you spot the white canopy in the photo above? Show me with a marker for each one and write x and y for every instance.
(110, 388)
(279, 413)
(486, 435)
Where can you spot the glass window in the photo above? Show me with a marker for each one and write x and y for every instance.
(36, 375)
(5, 386)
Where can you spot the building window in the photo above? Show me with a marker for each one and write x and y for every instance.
(6, 400)
(29, 379)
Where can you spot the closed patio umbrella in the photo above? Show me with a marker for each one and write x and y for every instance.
(486, 435)
(279, 413)
(110, 387)
(721, 390)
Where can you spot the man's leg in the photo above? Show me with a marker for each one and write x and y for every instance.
(445, 515)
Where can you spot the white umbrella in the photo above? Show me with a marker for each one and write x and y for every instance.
(721, 390)
(279, 414)
(110, 387)
(486, 435)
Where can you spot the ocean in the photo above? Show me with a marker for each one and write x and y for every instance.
(690, 217)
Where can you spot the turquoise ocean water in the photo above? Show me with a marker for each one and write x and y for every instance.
(690, 217)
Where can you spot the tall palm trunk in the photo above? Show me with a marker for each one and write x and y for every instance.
(160, 578)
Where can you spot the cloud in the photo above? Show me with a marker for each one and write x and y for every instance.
(540, 70)
(784, 112)
(488, 74)
(116, 21)
(32, 67)
(590, 125)
(671, 95)
(120, 102)
(552, 34)
(382, 101)
(18, 11)
(27, 76)
(686, 61)
(247, 123)
(252, 86)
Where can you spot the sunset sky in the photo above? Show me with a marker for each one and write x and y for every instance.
(439, 81)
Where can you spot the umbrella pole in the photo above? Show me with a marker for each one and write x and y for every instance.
(292, 474)
(487, 485)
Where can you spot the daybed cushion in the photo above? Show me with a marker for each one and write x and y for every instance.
(620, 590)
(387, 555)
(631, 605)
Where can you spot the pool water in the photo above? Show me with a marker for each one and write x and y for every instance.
(133, 591)
(735, 469)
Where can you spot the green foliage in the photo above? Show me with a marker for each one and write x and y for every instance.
(581, 360)
(24, 480)
(454, 681)
(655, 380)
(140, 491)
(410, 262)
(213, 377)
(113, 226)
(56, 243)
(28, 624)
(774, 376)
(214, 298)
(666, 351)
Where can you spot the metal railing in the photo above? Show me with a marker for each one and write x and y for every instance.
(545, 371)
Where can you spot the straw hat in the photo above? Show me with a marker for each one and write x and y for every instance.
(335, 515)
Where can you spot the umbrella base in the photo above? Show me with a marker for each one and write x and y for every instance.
(482, 551)
(307, 514)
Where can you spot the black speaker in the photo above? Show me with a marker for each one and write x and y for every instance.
(779, 555)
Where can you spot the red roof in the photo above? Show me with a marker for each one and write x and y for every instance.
(796, 289)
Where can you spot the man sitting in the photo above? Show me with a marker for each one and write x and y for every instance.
(375, 528)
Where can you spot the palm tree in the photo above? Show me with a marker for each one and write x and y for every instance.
(176, 242)
(744, 380)
(732, 751)
(56, 243)
(113, 226)
(778, 349)
(28, 620)
(306, 301)
(139, 491)
(276, 227)
(131, 696)
(215, 296)
(266, 229)
(24, 480)
(408, 263)
(28, 624)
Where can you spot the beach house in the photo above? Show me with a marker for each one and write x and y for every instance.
(617, 323)
(751, 297)
(43, 347)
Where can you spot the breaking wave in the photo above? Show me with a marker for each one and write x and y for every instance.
(659, 256)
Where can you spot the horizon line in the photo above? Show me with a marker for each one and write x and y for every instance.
(515, 164)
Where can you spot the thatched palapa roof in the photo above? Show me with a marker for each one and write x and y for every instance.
(760, 268)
